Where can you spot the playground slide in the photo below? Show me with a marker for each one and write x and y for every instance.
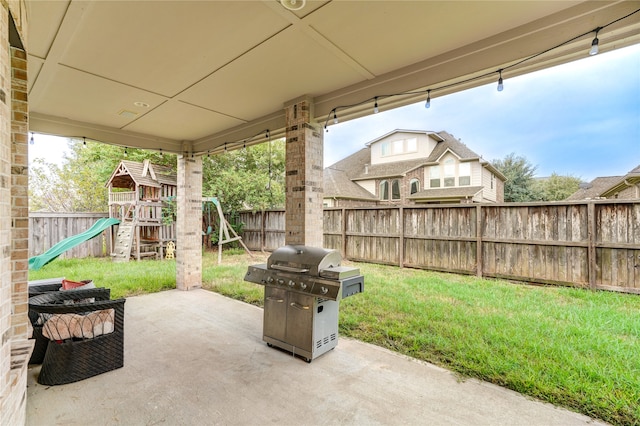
(37, 262)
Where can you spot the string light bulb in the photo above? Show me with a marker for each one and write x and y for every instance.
(594, 44)
(335, 117)
(500, 84)
(125, 152)
(32, 141)
(84, 141)
(427, 104)
(375, 106)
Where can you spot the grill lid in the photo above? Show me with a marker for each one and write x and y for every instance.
(303, 259)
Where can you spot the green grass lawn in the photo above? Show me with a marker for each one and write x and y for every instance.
(574, 348)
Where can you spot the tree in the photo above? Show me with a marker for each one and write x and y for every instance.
(249, 178)
(78, 185)
(556, 187)
(519, 172)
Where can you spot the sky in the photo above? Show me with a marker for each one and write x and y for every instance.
(580, 119)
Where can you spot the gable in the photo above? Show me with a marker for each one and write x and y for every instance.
(402, 145)
(130, 173)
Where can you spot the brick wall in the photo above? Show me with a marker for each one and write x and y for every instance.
(19, 192)
(15, 348)
(5, 219)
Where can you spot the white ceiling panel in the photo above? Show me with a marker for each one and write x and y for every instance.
(82, 97)
(180, 121)
(48, 15)
(283, 68)
(166, 46)
(405, 32)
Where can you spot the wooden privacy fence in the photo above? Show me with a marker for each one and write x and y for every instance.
(593, 244)
(47, 229)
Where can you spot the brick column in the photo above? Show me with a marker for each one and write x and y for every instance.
(189, 222)
(15, 348)
(19, 193)
(304, 191)
(5, 221)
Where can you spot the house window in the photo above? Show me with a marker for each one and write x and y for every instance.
(464, 174)
(384, 190)
(449, 172)
(414, 186)
(434, 176)
(412, 145)
(385, 149)
(398, 147)
(395, 189)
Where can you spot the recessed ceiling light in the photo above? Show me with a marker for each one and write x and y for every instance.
(293, 4)
(141, 104)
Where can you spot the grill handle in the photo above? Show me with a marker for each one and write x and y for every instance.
(275, 299)
(289, 269)
(299, 306)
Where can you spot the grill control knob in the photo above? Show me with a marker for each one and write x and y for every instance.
(280, 281)
(303, 285)
(291, 283)
(324, 290)
(269, 280)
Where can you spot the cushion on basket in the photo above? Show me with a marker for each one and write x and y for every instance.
(66, 326)
(77, 285)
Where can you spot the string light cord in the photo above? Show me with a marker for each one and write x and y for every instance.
(239, 143)
(333, 113)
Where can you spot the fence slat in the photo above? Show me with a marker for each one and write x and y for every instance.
(594, 244)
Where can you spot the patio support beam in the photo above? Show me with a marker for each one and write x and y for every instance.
(304, 150)
(189, 221)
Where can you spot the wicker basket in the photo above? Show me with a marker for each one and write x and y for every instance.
(74, 359)
(41, 342)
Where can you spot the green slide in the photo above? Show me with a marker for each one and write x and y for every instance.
(37, 262)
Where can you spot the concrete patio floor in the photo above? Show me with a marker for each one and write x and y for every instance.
(197, 358)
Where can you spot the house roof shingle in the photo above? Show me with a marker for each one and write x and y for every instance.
(164, 175)
(594, 188)
(446, 193)
(338, 185)
(606, 186)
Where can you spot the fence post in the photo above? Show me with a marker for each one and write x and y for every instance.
(591, 234)
(479, 240)
(401, 242)
(344, 232)
(263, 233)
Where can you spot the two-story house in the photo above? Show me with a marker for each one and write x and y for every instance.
(408, 167)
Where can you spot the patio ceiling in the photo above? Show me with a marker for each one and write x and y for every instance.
(152, 74)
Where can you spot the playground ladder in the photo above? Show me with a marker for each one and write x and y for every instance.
(124, 241)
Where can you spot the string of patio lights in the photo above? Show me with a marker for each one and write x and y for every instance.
(333, 114)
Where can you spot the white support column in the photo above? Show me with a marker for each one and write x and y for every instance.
(189, 221)
(304, 188)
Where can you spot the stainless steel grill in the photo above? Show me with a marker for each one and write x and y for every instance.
(303, 287)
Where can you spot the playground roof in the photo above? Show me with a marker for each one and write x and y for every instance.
(151, 175)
